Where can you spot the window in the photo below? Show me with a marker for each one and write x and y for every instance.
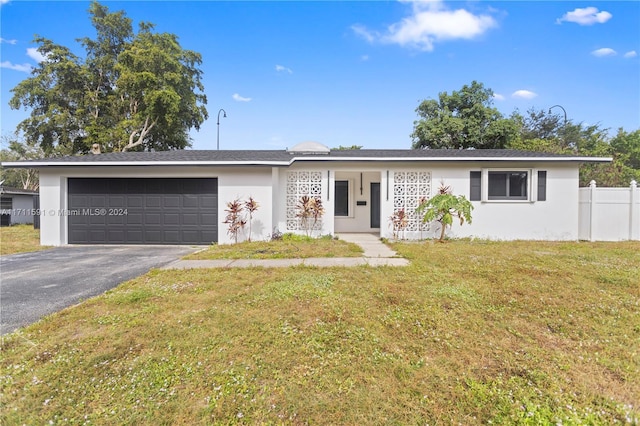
(342, 198)
(6, 203)
(508, 185)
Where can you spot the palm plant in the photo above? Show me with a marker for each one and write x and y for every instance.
(443, 207)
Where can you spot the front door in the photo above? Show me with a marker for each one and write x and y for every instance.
(375, 204)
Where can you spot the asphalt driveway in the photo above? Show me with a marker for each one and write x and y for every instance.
(33, 285)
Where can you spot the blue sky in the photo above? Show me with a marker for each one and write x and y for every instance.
(353, 72)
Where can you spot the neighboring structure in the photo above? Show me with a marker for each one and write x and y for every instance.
(17, 205)
(179, 197)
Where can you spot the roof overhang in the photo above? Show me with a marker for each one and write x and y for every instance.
(44, 163)
(302, 158)
(463, 159)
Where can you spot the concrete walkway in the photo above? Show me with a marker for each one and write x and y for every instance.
(375, 254)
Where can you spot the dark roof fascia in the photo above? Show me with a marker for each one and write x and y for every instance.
(461, 159)
(284, 158)
(16, 191)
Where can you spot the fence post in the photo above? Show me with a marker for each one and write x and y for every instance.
(632, 211)
(592, 208)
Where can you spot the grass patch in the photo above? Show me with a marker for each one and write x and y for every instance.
(19, 239)
(472, 332)
(289, 247)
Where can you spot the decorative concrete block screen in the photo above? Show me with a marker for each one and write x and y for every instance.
(298, 185)
(409, 188)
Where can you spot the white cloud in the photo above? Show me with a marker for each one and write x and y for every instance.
(631, 54)
(364, 58)
(498, 97)
(237, 97)
(524, 94)
(428, 23)
(364, 33)
(586, 16)
(33, 53)
(17, 67)
(605, 51)
(4, 1)
(281, 68)
(4, 40)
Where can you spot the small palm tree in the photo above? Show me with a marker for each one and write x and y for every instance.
(443, 207)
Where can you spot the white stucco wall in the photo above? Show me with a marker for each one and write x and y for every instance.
(233, 182)
(553, 219)
(52, 221)
(242, 183)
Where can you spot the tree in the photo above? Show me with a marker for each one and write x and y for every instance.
(20, 178)
(443, 207)
(625, 167)
(627, 145)
(543, 132)
(464, 119)
(131, 91)
(539, 124)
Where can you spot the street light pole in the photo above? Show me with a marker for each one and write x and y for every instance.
(563, 110)
(564, 128)
(224, 116)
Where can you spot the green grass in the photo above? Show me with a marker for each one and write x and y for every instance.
(19, 239)
(289, 247)
(472, 332)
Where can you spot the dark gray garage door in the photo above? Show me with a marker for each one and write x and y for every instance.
(143, 211)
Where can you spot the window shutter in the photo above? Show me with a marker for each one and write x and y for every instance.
(475, 192)
(542, 185)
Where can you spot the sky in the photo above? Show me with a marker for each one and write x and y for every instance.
(353, 72)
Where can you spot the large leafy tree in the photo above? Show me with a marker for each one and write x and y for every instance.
(139, 91)
(460, 120)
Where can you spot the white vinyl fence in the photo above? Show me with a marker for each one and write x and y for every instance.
(609, 214)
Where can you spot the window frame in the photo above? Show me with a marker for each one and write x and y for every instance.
(532, 182)
(506, 185)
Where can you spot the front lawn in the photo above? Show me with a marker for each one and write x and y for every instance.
(19, 239)
(289, 247)
(472, 332)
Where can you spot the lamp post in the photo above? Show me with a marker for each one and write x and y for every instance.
(224, 116)
(564, 128)
(563, 110)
